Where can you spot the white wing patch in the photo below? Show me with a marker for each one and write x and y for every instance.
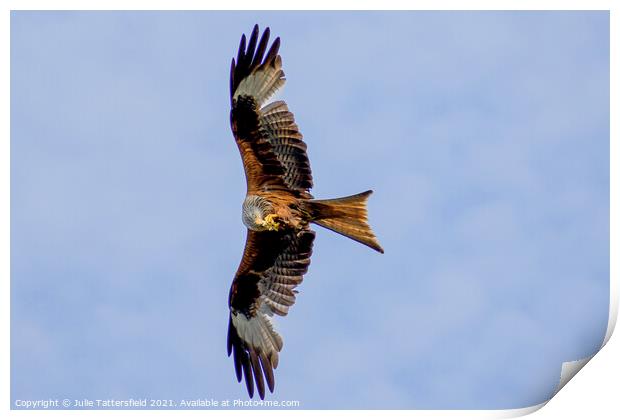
(262, 83)
(258, 332)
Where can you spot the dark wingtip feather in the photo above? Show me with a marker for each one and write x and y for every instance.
(273, 52)
(232, 77)
(238, 363)
(260, 51)
(264, 361)
(247, 372)
(258, 375)
(241, 52)
(230, 338)
(252, 44)
(240, 66)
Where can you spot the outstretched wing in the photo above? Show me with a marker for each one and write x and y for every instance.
(272, 266)
(272, 148)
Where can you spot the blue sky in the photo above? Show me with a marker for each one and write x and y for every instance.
(485, 136)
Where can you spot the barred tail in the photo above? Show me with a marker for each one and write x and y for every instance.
(347, 216)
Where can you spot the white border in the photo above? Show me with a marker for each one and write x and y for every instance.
(596, 381)
(311, 5)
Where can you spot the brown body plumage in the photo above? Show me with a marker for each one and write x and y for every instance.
(277, 211)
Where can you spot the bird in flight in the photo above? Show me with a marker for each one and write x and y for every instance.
(277, 212)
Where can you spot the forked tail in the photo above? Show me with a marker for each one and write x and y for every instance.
(347, 216)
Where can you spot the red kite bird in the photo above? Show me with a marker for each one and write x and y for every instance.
(277, 211)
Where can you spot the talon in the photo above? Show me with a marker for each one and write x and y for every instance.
(270, 223)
